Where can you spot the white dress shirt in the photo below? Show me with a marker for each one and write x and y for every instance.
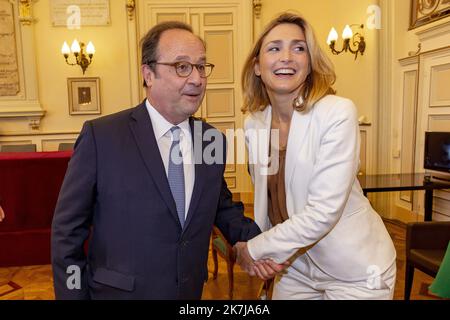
(163, 135)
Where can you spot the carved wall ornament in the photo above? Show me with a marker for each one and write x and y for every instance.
(257, 4)
(131, 6)
(25, 12)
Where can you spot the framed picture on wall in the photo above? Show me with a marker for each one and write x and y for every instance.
(426, 11)
(84, 95)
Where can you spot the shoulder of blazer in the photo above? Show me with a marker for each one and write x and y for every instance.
(120, 117)
(331, 102)
(335, 107)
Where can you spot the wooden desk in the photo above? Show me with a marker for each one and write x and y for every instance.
(402, 182)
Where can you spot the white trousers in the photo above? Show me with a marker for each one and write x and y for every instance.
(303, 280)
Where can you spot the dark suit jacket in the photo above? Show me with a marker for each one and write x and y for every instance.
(116, 192)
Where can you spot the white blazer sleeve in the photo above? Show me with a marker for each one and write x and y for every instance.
(329, 187)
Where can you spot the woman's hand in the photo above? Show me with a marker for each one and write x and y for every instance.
(268, 269)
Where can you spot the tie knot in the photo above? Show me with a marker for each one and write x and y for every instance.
(175, 133)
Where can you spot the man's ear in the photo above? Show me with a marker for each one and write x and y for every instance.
(147, 74)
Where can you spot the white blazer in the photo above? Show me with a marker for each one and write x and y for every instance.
(329, 217)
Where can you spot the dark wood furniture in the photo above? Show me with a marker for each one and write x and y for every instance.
(426, 244)
(402, 182)
(221, 247)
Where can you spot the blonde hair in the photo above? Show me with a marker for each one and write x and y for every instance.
(318, 83)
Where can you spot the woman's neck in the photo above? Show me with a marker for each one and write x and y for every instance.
(282, 109)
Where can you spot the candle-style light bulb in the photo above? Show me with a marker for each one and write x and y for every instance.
(347, 33)
(75, 46)
(332, 36)
(90, 49)
(65, 50)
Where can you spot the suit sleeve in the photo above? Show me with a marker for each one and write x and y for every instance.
(332, 178)
(72, 219)
(230, 217)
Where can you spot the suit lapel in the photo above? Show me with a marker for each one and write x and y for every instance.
(200, 167)
(142, 129)
(297, 138)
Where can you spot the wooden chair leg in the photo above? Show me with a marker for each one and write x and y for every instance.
(216, 263)
(265, 291)
(230, 266)
(409, 277)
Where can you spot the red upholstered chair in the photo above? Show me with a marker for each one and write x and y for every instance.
(29, 189)
(220, 246)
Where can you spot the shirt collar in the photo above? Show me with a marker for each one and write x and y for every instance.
(161, 126)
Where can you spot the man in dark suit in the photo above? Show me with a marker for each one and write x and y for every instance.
(132, 188)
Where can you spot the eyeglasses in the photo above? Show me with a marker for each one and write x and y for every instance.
(184, 68)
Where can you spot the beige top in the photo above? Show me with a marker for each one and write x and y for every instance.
(276, 191)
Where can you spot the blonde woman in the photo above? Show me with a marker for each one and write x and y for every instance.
(311, 206)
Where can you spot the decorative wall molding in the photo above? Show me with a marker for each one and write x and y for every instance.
(257, 24)
(43, 141)
(131, 6)
(32, 134)
(434, 31)
(409, 61)
(26, 12)
(384, 116)
(381, 142)
(25, 106)
(137, 93)
(33, 117)
(257, 5)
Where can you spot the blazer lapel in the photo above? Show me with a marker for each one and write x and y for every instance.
(142, 129)
(200, 167)
(259, 143)
(297, 138)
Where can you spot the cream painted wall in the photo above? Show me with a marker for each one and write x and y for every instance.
(358, 79)
(110, 63)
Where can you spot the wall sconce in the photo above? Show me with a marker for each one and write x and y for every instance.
(357, 40)
(81, 58)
